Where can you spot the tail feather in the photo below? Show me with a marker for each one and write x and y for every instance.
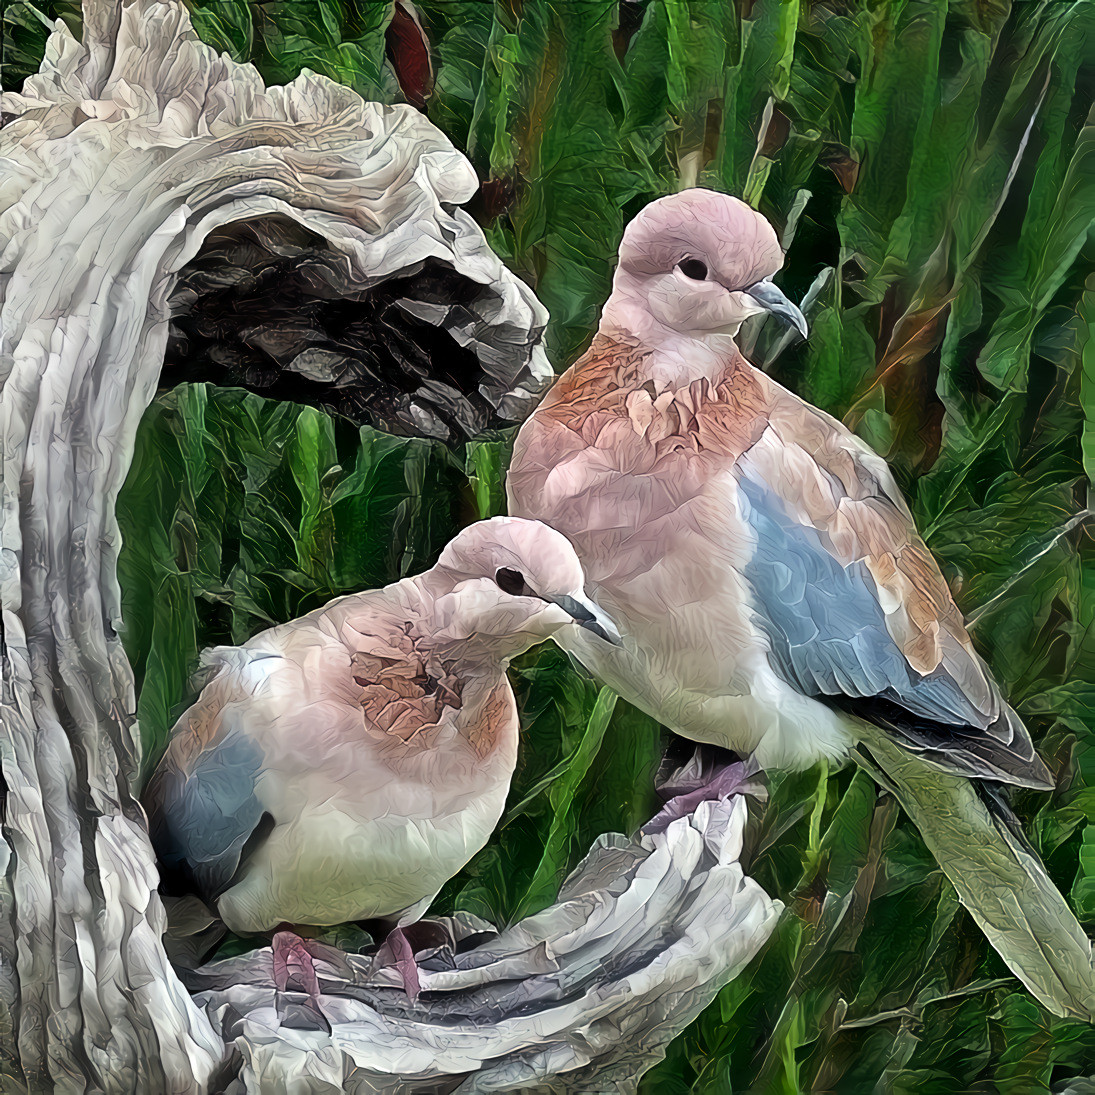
(193, 931)
(1002, 754)
(996, 873)
(995, 800)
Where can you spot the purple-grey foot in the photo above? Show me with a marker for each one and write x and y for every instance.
(294, 958)
(403, 955)
(723, 782)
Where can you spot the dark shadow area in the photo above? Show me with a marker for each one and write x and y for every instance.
(270, 306)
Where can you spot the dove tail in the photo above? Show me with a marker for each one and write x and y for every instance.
(995, 798)
(194, 931)
(1002, 754)
(976, 839)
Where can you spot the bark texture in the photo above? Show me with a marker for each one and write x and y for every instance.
(119, 161)
(123, 155)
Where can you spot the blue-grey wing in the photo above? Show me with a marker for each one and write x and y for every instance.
(837, 631)
(824, 621)
(201, 801)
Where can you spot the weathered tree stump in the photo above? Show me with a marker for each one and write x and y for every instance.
(127, 166)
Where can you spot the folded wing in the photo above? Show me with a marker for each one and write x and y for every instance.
(201, 801)
(854, 607)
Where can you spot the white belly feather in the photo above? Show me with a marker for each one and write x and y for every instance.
(671, 586)
(336, 865)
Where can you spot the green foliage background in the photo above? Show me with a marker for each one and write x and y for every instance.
(931, 167)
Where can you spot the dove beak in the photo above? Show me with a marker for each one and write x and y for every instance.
(770, 297)
(586, 614)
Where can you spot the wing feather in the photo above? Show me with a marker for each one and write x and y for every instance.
(201, 801)
(855, 607)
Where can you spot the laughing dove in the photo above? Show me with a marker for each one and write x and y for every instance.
(345, 765)
(757, 556)
(773, 594)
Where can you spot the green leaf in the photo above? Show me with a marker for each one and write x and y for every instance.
(486, 464)
(1083, 889)
(1087, 377)
(1048, 247)
(761, 71)
(226, 25)
(553, 863)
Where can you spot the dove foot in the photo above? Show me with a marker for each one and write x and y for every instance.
(293, 958)
(403, 953)
(724, 781)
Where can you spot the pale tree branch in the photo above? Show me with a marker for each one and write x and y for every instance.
(124, 164)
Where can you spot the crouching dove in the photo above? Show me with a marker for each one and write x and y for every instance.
(345, 765)
(772, 592)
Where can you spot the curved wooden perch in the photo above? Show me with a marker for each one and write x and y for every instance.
(124, 165)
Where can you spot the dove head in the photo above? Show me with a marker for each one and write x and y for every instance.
(513, 583)
(694, 265)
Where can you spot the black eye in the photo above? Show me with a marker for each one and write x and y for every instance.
(511, 581)
(693, 268)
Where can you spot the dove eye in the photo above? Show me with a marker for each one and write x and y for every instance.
(512, 582)
(693, 268)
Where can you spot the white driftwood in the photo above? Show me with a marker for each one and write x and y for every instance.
(582, 997)
(124, 153)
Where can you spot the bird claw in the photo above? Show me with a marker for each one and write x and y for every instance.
(404, 962)
(727, 780)
(289, 950)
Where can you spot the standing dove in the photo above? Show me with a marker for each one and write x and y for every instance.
(345, 765)
(773, 594)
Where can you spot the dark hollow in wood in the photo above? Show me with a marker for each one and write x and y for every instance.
(269, 306)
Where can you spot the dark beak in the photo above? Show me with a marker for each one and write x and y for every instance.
(586, 614)
(771, 297)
